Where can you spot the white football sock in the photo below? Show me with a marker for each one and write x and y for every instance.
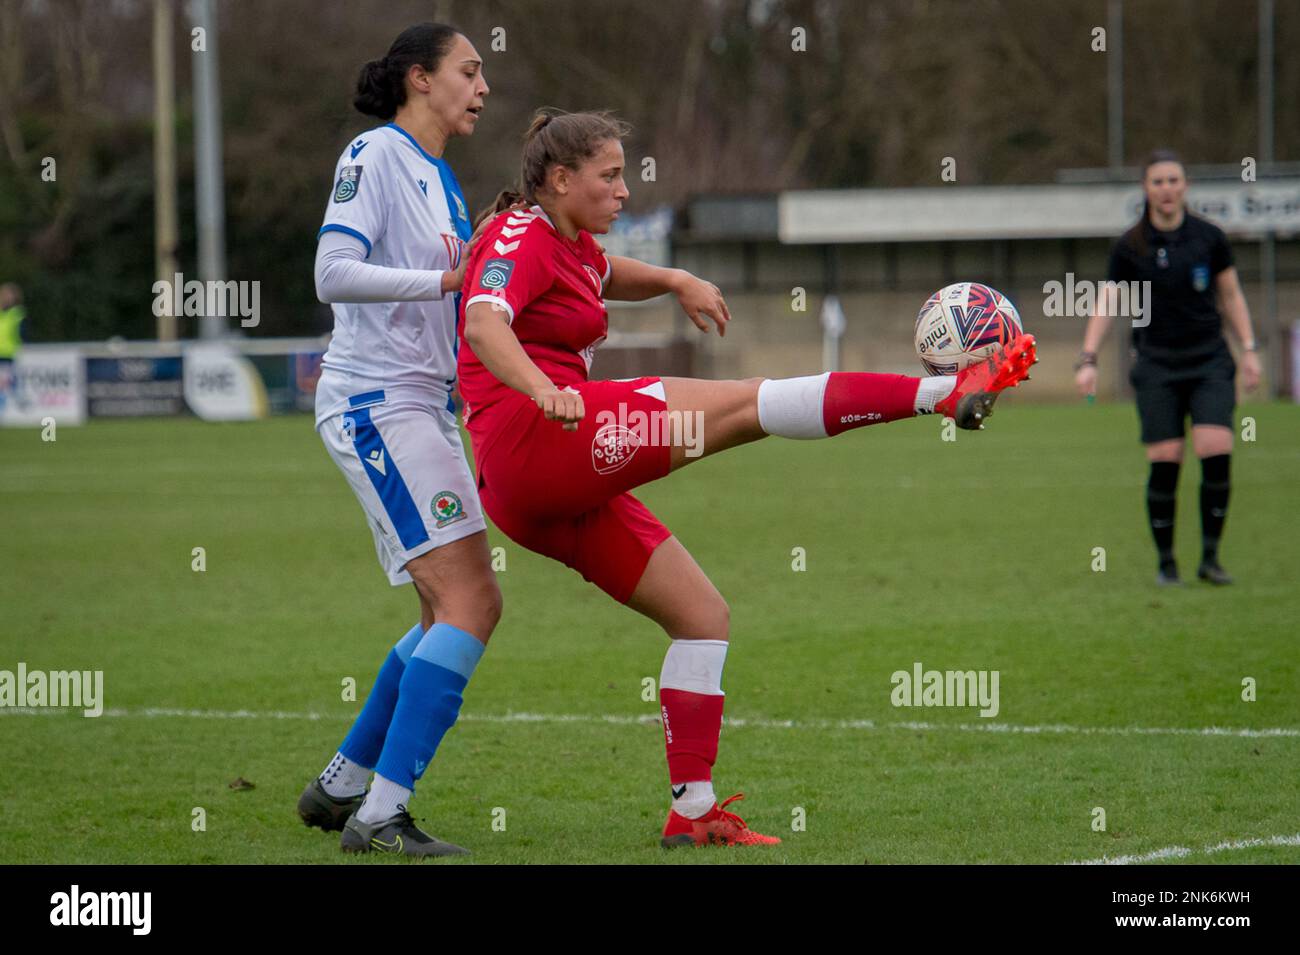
(933, 390)
(343, 778)
(383, 801)
(792, 407)
(696, 799)
(694, 666)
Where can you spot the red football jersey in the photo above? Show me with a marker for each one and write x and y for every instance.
(552, 290)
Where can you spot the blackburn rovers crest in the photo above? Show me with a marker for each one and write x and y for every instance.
(447, 508)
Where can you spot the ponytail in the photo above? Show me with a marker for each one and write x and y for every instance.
(504, 200)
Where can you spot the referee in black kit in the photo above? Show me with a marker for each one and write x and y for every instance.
(1183, 363)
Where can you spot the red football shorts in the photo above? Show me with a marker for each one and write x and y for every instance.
(564, 494)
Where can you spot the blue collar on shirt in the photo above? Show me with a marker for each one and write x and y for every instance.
(450, 187)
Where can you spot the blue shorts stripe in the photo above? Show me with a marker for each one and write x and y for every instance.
(386, 479)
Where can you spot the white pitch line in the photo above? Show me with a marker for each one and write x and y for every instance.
(735, 723)
(1181, 852)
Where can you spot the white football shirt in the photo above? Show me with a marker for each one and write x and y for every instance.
(408, 210)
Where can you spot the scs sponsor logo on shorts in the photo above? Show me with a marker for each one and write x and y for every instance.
(447, 508)
(612, 447)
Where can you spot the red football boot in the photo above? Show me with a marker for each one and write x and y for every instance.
(717, 827)
(978, 386)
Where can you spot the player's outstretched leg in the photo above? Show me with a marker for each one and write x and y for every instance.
(675, 593)
(821, 406)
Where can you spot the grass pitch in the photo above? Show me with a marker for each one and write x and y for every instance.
(976, 554)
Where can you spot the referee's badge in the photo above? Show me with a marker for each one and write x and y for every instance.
(349, 180)
(1200, 277)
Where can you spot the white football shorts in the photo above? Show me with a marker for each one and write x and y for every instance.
(407, 467)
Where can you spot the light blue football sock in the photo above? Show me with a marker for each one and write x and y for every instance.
(428, 702)
(365, 741)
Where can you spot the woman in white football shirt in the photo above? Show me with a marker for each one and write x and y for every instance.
(390, 259)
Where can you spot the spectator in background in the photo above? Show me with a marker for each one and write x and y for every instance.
(11, 320)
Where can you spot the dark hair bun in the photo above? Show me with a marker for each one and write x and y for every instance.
(381, 87)
(375, 96)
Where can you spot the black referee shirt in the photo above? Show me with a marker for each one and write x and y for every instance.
(1181, 266)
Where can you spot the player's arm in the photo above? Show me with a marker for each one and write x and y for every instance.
(499, 285)
(1232, 303)
(343, 275)
(633, 281)
(487, 331)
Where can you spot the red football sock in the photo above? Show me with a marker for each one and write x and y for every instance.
(855, 399)
(692, 722)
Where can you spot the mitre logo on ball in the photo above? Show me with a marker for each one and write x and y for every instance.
(962, 324)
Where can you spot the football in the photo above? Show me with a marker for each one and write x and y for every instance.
(961, 324)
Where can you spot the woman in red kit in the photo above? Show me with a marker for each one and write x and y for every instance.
(558, 454)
